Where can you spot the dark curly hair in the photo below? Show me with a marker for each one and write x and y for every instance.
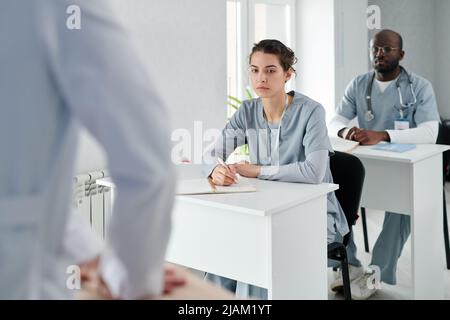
(286, 55)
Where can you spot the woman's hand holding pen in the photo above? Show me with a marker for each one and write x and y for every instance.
(224, 175)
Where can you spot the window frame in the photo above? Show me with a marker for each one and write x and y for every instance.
(246, 38)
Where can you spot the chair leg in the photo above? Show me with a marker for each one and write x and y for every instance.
(364, 225)
(345, 276)
(446, 235)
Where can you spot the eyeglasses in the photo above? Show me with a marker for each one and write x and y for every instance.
(385, 49)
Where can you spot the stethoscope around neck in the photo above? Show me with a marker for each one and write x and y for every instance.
(369, 116)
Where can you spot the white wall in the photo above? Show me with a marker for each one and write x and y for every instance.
(425, 29)
(315, 51)
(414, 20)
(351, 42)
(183, 43)
(442, 60)
(331, 46)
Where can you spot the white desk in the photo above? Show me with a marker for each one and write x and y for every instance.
(411, 183)
(274, 238)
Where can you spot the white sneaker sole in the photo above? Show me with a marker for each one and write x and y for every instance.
(363, 298)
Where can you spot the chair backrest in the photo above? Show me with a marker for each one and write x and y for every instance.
(348, 171)
(444, 138)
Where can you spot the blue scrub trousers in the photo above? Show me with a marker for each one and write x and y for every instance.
(389, 245)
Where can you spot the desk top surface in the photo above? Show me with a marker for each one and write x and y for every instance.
(421, 152)
(271, 196)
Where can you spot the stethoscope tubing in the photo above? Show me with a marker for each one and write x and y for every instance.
(369, 113)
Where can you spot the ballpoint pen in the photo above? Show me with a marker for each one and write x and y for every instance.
(226, 166)
(223, 163)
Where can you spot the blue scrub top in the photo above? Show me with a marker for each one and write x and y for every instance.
(385, 104)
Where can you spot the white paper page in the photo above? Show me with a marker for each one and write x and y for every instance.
(243, 185)
(202, 186)
(193, 186)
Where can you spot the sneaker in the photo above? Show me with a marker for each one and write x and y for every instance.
(363, 288)
(353, 273)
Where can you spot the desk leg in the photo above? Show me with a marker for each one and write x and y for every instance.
(297, 252)
(427, 257)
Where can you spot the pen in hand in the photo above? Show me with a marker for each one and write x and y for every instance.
(221, 162)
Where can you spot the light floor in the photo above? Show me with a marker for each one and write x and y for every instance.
(403, 288)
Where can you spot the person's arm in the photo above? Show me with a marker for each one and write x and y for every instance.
(107, 87)
(426, 116)
(231, 137)
(194, 288)
(312, 170)
(338, 126)
(425, 132)
(317, 147)
(345, 112)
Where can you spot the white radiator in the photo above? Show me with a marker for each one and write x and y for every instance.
(93, 201)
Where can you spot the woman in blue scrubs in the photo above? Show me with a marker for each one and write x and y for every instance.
(287, 138)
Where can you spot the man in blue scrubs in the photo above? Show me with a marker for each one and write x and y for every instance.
(392, 105)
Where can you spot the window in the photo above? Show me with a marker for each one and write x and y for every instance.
(234, 68)
(249, 21)
(271, 19)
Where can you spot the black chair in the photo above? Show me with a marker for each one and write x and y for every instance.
(443, 138)
(347, 171)
(364, 227)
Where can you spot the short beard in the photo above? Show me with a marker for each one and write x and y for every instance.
(390, 66)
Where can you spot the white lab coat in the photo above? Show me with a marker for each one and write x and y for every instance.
(51, 80)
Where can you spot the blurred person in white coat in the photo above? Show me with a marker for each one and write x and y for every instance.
(53, 79)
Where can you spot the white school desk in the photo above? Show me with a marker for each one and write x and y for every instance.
(274, 238)
(411, 183)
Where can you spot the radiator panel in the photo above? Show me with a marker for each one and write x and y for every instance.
(92, 201)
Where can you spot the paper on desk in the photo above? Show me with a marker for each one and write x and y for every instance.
(202, 186)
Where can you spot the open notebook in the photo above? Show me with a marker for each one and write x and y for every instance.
(343, 145)
(204, 185)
